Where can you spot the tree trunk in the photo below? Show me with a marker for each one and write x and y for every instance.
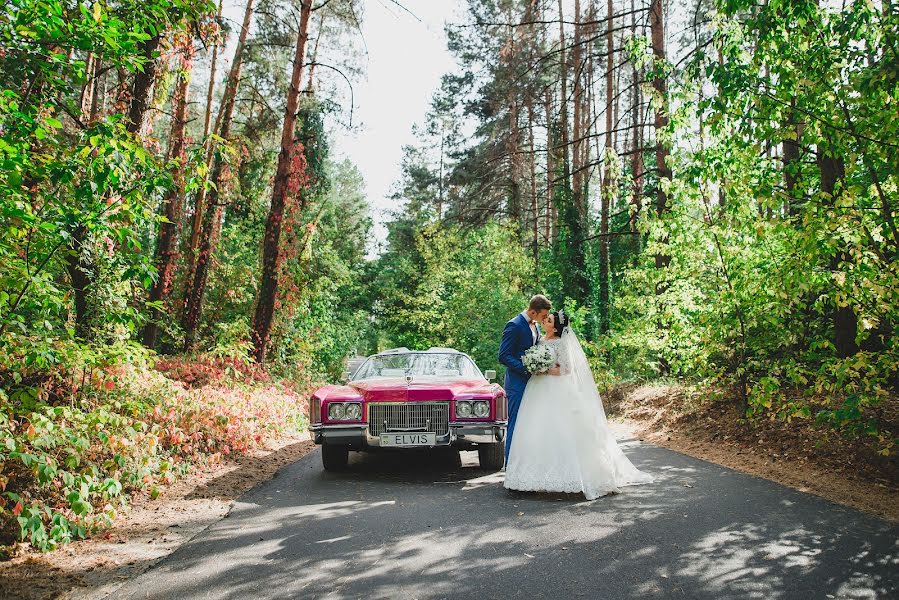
(535, 202)
(210, 90)
(81, 274)
(563, 103)
(722, 194)
(550, 168)
(440, 175)
(222, 127)
(268, 290)
(845, 321)
(533, 13)
(97, 93)
(587, 110)
(660, 102)
(587, 119)
(513, 142)
(577, 133)
(87, 90)
(208, 213)
(637, 147)
(311, 79)
(791, 163)
(660, 84)
(173, 205)
(81, 271)
(141, 90)
(608, 188)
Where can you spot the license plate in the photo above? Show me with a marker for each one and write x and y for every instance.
(408, 439)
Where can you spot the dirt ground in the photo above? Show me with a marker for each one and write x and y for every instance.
(147, 532)
(796, 454)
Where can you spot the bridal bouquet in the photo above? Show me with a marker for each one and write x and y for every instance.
(539, 359)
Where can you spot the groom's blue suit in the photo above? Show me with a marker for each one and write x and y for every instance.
(517, 338)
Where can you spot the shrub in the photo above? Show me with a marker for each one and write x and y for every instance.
(74, 445)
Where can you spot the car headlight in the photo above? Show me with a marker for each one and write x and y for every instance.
(353, 411)
(463, 409)
(481, 409)
(336, 411)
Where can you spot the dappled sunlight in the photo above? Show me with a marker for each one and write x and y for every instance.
(333, 540)
(390, 528)
(477, 482)
(732, 559)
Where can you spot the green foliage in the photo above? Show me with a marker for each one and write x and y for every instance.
(761, 267)
(84, 420)
(780, 221)
(75, 192)
(453, 288)
(75, 446)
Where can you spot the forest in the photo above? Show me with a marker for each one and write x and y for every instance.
(711, 188)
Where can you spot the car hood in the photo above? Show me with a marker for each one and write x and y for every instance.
(398, 390)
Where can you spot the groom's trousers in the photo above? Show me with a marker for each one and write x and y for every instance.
(513, 396)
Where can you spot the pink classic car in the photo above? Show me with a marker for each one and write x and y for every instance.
(405, 399)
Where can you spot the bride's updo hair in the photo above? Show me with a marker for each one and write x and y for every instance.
(560, 322)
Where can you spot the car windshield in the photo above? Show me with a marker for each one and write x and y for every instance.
(419, 364)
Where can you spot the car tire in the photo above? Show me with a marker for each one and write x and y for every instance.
(491, 457)
(334, 457)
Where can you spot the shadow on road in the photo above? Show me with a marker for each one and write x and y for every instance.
(395, 526)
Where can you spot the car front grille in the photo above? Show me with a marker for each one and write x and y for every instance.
(431, 417)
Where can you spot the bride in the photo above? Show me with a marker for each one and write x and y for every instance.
(562, 441)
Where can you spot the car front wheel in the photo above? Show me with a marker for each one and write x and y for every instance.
(334, 457)
(491, 456)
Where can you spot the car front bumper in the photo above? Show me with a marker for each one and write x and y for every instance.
(460, 435)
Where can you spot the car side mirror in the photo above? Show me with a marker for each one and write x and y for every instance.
(490, 374)
(345, 376)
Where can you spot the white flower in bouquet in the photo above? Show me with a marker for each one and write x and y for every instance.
(539, 359)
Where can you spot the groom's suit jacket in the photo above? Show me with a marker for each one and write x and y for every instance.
(517, 338)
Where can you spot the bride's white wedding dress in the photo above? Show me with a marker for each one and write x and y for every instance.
(562, 441)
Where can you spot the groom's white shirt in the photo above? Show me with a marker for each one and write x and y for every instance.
(533, 326)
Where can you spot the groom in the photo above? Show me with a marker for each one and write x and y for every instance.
(519, 334)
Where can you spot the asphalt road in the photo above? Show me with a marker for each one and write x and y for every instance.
(401, 526)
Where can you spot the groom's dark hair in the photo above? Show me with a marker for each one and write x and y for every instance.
(539, 302)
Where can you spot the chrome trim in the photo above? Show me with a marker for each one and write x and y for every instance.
(426, 417)
(405, 417)
(314, 427)
(352, 435)
(477, 433)
(357, 436)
